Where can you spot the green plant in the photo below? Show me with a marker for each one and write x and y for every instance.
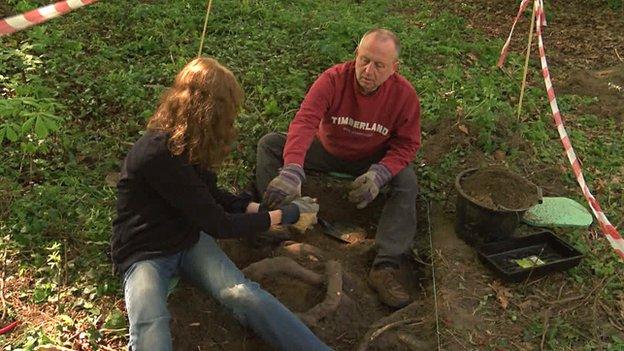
(615, 4)
(30, 120)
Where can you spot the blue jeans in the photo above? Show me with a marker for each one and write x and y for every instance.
(206, 265)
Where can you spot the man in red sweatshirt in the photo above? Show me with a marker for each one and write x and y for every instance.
(362, 118)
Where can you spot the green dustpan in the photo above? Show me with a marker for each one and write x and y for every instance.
(340, 175)
(558, 212)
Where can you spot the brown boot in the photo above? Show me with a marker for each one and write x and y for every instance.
(391, 292)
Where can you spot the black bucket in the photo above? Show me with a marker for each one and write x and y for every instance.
(478, 224)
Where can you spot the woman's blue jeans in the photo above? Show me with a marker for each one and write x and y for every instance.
(206, 265)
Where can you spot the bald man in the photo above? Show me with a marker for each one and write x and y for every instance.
(362, 118)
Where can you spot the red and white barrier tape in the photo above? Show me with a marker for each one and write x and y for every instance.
(505, 48)
(16, 23)
(608, 229)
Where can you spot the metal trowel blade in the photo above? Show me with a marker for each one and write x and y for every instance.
(330, 230)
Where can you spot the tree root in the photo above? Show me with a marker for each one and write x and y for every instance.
(373, 334)
(300, 251)
(413, 342)
(333, 272)
(398, 318)
(285, 265)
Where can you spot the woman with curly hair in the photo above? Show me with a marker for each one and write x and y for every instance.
(169, 210)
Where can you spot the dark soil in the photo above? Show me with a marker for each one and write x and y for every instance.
(497, 188)
(6, 10)
(208, 325)
(200, 323)
(606, 85)
(475, 310)
(442, 138)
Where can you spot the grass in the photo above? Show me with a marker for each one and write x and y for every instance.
(76, 92)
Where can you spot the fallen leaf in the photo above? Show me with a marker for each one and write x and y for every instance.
(463, 128)
(499, 155)
(502, 293)
(112, 179)
(51, 348)
(459, 112)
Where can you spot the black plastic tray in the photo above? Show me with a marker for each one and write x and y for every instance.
(553, 253)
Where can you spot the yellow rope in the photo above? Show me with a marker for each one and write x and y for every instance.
(526, 61)
(201, 43)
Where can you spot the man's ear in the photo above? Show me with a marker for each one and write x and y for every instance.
(355, 52)
(395, 66)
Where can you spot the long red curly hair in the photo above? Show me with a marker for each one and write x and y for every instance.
(198, 112)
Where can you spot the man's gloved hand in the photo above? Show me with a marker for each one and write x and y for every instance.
(285, 187)
(365, 188)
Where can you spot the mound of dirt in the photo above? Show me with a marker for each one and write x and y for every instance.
(606, 85)
(498, 188)
(442, 138)
(200, 323)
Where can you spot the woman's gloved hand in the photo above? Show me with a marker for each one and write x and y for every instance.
(308, 210)
(303, 207)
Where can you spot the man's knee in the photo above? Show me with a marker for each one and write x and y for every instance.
(406, 180)
(271, 141)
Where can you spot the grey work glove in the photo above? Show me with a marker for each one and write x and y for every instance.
(285, 187)
(292, 212)
(307, 205)
(308, 210)
(365, 188)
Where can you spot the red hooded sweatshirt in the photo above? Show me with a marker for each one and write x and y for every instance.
(351, 125)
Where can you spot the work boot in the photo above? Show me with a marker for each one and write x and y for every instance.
(391, 292)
